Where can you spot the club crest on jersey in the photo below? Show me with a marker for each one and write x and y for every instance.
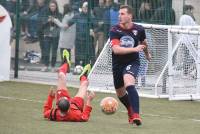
(135, 32)
(127, 41)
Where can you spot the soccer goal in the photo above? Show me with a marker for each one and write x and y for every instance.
(184, 64)
(156, 80)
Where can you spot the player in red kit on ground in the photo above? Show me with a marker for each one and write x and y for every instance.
(127, 40)
(68, 108)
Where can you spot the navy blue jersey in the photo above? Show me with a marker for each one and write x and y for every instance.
(127, 38)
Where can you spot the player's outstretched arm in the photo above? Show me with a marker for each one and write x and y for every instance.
(90, 97)
(88, 108)
(48, 104)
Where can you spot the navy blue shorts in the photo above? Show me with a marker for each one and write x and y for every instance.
(120, 70)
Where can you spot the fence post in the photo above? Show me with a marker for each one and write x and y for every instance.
(17, 39)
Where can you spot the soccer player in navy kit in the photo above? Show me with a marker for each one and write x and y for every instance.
(127, 40)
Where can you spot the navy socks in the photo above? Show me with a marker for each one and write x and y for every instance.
(133, 98)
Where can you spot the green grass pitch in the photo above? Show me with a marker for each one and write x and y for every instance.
(21, 106)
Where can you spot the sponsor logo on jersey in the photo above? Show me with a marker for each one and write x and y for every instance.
(127, 41)
(135, 32)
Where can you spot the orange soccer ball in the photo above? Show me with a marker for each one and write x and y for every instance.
(109, 105)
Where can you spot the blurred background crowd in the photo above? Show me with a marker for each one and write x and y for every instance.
(81, 26)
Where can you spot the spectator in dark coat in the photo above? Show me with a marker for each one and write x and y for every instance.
(99, 38)
(50, 32)
(161, 17)
(84, 47)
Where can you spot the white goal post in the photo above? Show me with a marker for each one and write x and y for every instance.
(156, 84)
(184, 64)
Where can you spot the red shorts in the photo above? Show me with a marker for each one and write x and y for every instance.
(62, 93)
(77, 103)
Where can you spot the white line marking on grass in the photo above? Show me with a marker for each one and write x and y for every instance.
(195, 120)
(153, 115)
(20, 99)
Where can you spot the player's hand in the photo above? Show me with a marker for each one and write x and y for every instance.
(50, 19)
(90, 95)
(140, 48)
(52, 92)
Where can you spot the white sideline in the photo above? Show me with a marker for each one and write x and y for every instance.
(20, 99)
(150, 115)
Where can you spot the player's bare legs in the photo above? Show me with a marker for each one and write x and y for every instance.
(63, 71)
(82, 89)
(61, 81)
(128, 80)
(83, 82)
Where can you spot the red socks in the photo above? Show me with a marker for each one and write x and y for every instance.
(64, 68)
(83, 78)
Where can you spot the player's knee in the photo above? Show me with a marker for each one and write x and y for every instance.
(129, 80)
(61, 76)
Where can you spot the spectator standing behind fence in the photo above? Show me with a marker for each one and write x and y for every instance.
(187, 19)
(84, 47)
(27, 8)
(106, 17)
(111, 14)
(76, 4)
(51, 33)
(99, 37)
(114, 14)
(33, 21)
(163, 16)
(145, 12)
(67, 35)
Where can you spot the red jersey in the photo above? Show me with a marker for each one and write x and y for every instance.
(75, 113)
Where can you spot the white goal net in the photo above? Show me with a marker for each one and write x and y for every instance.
(184, 64)
(154, 81)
